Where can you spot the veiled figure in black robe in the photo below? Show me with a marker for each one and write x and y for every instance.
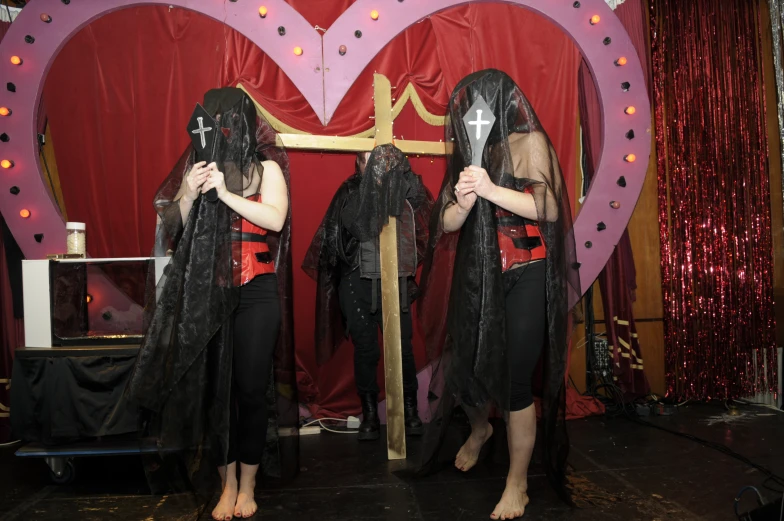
(344, 260)
(186, 381)
(498, 275)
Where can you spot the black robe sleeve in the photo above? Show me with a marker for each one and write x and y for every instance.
(329, 252)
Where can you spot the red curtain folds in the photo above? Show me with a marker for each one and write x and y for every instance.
(617, 280)
(120, 92)
(714, 200)
(11, 337)
(11, 329)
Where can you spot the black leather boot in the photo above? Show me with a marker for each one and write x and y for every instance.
(370, 427)
(414, 426)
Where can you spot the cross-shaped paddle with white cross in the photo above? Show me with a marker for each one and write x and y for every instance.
(478, 129)
(477, 132)
(478, 122)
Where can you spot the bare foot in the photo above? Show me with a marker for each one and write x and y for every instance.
(246, 505)
(224, 511)
(468, 454)
(512, 504)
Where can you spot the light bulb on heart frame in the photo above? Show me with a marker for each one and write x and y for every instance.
(326, 103)
(374, 14)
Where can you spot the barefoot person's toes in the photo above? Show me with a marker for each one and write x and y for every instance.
(512, 504)
(246, 505)
(468, 454)
(224, 510)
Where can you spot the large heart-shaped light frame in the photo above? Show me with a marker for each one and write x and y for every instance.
(323, 76)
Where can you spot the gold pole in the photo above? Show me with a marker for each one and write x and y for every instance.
(390, 292)
(358, 144)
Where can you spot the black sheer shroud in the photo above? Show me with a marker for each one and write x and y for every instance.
(182, 378)
(359, 210)
(463, 305)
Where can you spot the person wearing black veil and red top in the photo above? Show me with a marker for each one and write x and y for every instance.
(214, 378)
(503, 308)
(344, 260)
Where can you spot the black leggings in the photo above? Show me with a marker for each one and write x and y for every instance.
(356, 301)
(526, 322)
(256, 326)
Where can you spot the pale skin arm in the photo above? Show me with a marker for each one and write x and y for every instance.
(519, 203)
(474, 182)
(456, 214)
(191, 188)
(271, 213)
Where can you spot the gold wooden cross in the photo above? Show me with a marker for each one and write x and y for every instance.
(390, 301)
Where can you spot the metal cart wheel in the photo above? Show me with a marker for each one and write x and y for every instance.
(61, 470)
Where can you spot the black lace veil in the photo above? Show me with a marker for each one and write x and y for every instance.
(463, 310)
(182, 378)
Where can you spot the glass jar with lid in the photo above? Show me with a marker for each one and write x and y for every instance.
(76, 238)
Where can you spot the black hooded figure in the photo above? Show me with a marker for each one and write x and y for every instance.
(215, 378)
(499, 271)
(344, 260)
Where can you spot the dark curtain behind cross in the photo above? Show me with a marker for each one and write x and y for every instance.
(618, 278)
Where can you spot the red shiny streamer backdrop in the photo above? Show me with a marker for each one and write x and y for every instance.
(714, 201)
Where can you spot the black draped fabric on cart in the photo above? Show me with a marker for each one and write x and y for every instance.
(68, 394)
(463, 308)
(359, 210)
(182, 378)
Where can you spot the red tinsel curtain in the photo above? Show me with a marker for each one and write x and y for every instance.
(714, 203)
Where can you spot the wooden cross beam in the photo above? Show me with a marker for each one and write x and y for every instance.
(390, 292)
(357, 144)
(390, 301)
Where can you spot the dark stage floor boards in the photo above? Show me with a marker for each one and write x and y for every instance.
(632, 472)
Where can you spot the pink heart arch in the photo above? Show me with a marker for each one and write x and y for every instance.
(324, 76)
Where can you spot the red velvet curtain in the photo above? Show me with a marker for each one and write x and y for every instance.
(617, 280)
(120, 92)
(714, 200)
(11, 337)
(11, 329)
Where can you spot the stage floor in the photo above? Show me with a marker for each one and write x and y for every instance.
(632, 472)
